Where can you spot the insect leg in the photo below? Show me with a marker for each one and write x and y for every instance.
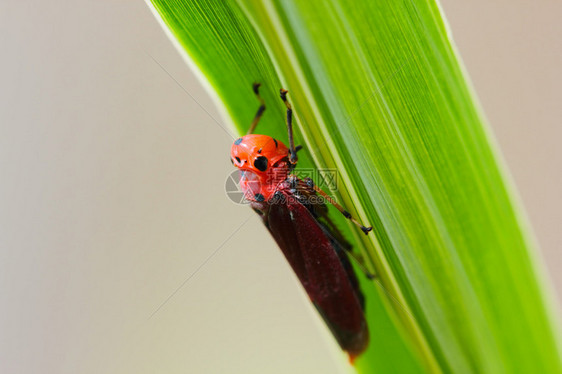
(360, 265)
(346, 214)
(293, 158)
(261, 109)
(306, 186)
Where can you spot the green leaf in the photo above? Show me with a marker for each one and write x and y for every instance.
(379, 94)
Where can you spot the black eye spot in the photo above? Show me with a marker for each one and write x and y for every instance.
(238, 141)
(237, 159)
(259, 197)
(261, 163)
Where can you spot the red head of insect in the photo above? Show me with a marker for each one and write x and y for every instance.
(263, 163)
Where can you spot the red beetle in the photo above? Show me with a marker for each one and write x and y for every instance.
(295, 213)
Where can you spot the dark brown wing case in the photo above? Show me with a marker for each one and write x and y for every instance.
(322, 267)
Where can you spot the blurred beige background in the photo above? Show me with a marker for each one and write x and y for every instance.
(112, 193)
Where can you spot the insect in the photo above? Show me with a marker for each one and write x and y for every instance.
(295, 213)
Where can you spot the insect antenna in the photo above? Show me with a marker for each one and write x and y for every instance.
(261, 109)
(293, 157)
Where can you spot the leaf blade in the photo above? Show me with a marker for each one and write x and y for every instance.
(385, 100)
